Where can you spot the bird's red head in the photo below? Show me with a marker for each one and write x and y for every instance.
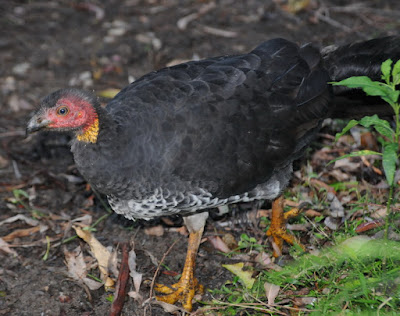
(68, 110)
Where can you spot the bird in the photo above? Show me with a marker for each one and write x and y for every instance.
(208, 133)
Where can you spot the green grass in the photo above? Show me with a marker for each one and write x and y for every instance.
(358, 275)
(350, 275)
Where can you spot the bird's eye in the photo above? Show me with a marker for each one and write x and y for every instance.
(62, 110)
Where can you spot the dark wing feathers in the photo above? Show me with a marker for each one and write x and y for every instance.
(226, 123)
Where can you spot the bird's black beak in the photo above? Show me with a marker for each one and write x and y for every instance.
(36, 123)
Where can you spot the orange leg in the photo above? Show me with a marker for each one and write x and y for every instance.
(188, 286)
(277, 228)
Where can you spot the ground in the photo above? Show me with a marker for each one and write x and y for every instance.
(103, 45)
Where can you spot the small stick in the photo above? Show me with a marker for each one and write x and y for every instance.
(159, 266)
(123, 280)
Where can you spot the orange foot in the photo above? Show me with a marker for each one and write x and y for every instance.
(183, 292)
(277, 228)
(188, 286)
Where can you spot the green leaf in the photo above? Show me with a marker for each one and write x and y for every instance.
(356, 154)
(392, 97)
(386, 67)
(18, 193)
(389, 161)
(381, 126)
(355, 82)
(396, 73)
(381, 90)
(349, 125)
(372, 88)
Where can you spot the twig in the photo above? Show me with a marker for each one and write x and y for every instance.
(184, 22)
(383, 304)
(362, 8)
(122, 283)
(17, 173)
(159, 266)
(219, 32)
(332, 22)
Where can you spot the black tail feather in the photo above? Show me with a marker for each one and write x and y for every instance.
(359, 59)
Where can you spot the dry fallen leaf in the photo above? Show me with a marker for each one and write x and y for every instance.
(101, 254)
(219, 244)
(369, 226)
(336, 208)
(312, 213)
(271, 292)
(333, 223)
(379, 213)
(29, 221)
(263, 259)
(230, 241)
(318, 184)
(299, 227)
(136, 276)
(169, 308)
(369, 165)
(113, 263)
(244, 275)
(368, 141)
(340, 175)
(23, 232)
(77, 268)
(4, 246)
(347, 165)
(302, 301)
(291, 203)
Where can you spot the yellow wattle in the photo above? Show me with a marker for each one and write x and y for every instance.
(90, 133)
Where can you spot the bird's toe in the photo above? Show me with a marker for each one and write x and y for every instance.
(277, 229)
(183, 292)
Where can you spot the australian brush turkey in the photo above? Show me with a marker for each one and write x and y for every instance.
(207, 133)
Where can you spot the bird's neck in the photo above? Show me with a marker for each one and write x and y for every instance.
(99, 123)
(90, 133)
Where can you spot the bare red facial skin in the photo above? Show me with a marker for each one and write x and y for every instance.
(71, 113)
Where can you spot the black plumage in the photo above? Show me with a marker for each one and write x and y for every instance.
(216, 131)
(207, 130)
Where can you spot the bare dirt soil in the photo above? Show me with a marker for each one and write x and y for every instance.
(100, 45)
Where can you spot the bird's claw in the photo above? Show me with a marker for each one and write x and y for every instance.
(183, 292)
(278, 226)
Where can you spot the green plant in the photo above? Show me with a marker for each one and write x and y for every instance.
(249, 243)
(358, 274)
(389, 137)
(20, 198)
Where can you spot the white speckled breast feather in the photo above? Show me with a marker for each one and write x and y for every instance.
(164, 203)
